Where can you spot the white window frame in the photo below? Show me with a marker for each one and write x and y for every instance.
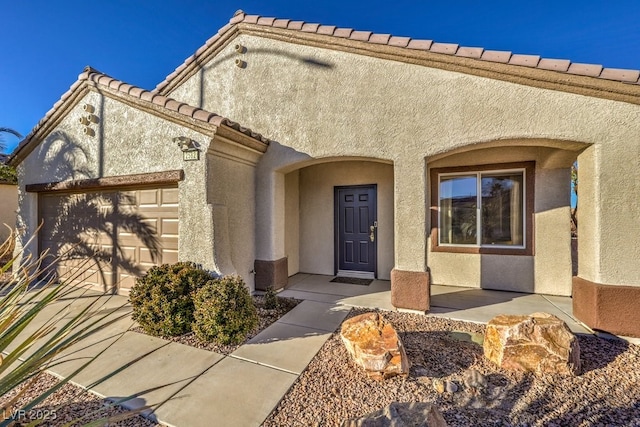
(478, 175)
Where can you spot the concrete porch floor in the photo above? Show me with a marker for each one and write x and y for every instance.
(458, 303)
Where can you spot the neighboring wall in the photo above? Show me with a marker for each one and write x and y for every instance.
(316, 216)
(8, 208)
(326, 103)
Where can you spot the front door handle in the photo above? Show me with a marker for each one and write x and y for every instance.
(372, 235)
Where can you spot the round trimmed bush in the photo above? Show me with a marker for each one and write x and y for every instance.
(224, 311)
(162, 299)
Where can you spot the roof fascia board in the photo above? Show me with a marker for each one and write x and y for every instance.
(193, 64)
(85, 87)
(158, 111)
(229, 134)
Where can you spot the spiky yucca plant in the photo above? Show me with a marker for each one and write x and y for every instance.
(26, 353)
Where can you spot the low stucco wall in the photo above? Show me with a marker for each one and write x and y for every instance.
(316, 212)
(548, 271)
(8, 209)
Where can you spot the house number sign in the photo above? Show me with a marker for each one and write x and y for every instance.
(191, 155)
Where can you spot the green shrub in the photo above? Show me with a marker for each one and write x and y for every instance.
(162, 299)
(270, 299)
(224, 311)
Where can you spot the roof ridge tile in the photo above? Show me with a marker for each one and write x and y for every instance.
(363, 36)
(446, 48)
(326, 29)
(470, 52)
(420, 44)
(496, 56)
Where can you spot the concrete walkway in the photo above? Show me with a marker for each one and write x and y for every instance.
(193, 387)
(468, 304)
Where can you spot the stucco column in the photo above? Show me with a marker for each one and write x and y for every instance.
(409, 278)
(271, 263)
(197, 242)
(607, 289)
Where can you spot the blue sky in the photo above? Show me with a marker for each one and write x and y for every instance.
(45, 44)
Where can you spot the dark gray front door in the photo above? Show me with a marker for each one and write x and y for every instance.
(356, 232)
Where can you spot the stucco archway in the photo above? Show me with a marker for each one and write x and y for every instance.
(543, 263)
(295, 210)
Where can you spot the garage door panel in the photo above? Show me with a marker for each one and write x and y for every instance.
(169, 227)
(169, 256)
(94, 218)
(169, 197)
(148, 198)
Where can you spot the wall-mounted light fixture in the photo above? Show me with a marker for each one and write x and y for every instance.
(188, 146)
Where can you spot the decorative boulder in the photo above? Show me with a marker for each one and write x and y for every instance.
(375, 345)
(539, 343)
(414, 414)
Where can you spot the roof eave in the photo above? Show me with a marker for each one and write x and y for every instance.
(159, 105)
(531, 70)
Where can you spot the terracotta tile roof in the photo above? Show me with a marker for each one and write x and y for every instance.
(96, 77)
(532, 61)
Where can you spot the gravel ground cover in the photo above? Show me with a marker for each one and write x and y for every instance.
(265, 318)
(333, 389)
(68, 404)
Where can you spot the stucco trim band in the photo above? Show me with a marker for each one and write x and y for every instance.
(410, 290)
(528, 250)
(610, 308)
(137, 180)
(273, 274)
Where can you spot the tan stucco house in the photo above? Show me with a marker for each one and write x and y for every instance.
(8, 205)
(389, 157)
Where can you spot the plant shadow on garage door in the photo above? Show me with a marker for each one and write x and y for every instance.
(104, 226)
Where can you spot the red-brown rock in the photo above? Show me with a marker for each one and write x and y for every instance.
(375, 345)
(540, 343)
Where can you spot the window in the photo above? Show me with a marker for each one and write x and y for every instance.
(483, 210)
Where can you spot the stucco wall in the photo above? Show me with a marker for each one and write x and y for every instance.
(317, 230)
(127, 141)
(8, 208)
(231, 190)
(333, 104)
(548, 271)
(292, 221)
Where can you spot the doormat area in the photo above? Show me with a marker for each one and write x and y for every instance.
(352, 281)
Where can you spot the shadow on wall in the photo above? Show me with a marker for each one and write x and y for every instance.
(243, 61)
(82, 226)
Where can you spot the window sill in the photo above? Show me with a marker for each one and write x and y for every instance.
(483, 250)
